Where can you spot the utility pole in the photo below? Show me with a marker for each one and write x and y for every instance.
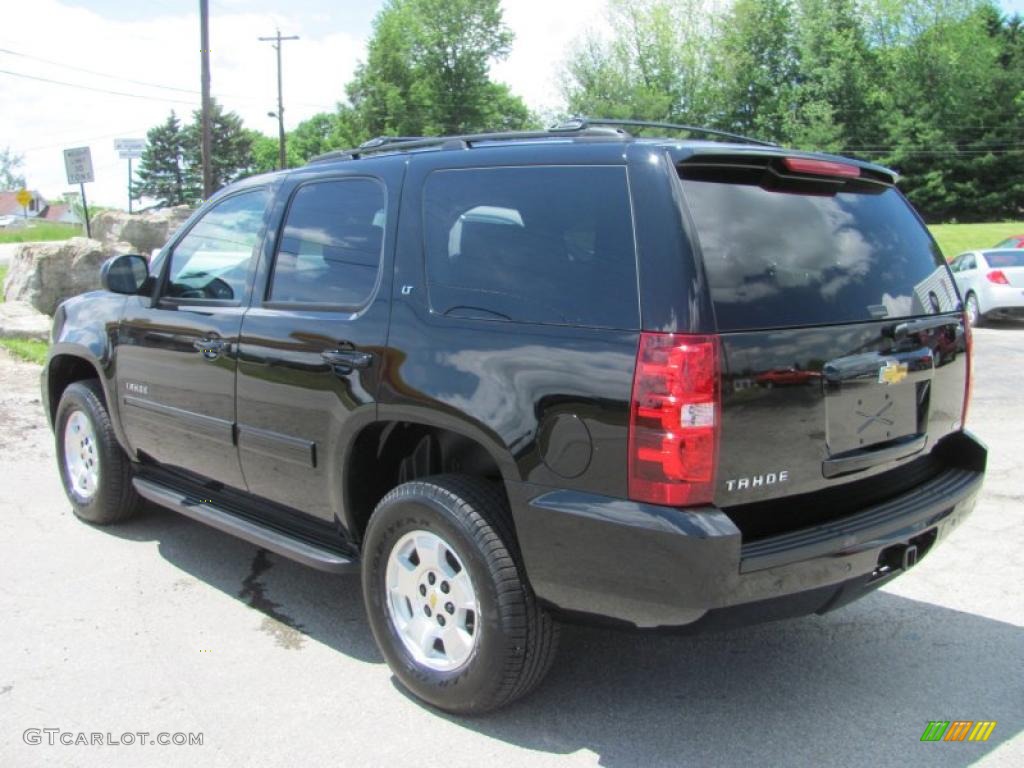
(204, 49)
(280, 99)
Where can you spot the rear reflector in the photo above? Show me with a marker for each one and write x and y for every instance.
(998, 277)
(820, 167)
(674, 420)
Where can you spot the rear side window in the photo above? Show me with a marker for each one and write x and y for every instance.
(330, 249)
(780, 257)
(534, 244)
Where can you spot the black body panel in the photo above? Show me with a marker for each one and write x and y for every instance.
(841, 445)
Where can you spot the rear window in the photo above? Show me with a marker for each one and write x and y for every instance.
(782, 257)
(534, 244)
(1004, 260)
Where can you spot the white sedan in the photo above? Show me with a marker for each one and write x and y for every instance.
(991, 283)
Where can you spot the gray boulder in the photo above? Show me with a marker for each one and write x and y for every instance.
(20, 320)
(44, 274)
(145, 232)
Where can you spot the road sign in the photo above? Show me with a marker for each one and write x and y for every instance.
(129, 149)
(78, 162)
(24, 197)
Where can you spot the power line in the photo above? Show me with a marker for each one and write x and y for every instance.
(97, 74)
(234, 97)
(80, 141)
(94, 89)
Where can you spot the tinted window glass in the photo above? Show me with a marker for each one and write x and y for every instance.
(212, 261)
(539, 244)
(778, 259)
(330, 248)
(1004, 259)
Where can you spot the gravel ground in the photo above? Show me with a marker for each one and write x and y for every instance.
(164, 625)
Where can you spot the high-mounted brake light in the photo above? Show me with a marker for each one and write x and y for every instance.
(820, 167)
(998, 277)
(674, 419)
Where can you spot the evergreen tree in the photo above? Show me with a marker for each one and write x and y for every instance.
(231, 149)
(164, 171)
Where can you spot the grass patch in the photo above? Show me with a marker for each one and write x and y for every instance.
(3, 276)
(26, 349)
(46, 230)
(954, 239)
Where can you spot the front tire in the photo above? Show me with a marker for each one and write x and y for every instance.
(95, 471)
(446, 596)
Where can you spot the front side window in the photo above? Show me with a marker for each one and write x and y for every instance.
(213, 260)
(330, 249)
(532, 244)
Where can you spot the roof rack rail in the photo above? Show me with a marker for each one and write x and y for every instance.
(380, 141)
(575, 127)
(398, 144)
(581, 123)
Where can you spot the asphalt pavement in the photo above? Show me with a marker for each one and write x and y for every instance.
(165, 626)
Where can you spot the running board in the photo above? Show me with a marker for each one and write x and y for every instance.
(321, 558)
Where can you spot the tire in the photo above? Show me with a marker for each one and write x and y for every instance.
(977, 319)
(513, 640)
(101, 490)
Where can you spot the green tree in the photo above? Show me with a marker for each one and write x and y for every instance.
(656, 66)
(9, 165)
(757, 67)
(165, 171)
(427, 71)
(231, 146)
(835, 96)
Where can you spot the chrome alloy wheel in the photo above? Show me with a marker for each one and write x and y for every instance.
(81, 455)
(431, 601)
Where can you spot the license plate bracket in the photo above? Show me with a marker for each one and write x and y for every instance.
(864, 415)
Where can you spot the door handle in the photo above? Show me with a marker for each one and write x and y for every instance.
(347, 358)
(208, 348)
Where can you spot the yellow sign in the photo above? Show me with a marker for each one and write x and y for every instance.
(892, 372)
(24, 197)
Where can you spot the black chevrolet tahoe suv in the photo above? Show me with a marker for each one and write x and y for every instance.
(516, 379)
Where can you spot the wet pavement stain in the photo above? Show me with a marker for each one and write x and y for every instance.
(282, 627)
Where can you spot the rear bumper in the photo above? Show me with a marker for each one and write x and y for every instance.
(653, 566)
(1002, 299)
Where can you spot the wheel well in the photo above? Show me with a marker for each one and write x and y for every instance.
(65, 370)
(391, 453)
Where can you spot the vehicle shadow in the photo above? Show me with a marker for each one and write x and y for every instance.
(296, 601)
(1003, 324)
(855, 687)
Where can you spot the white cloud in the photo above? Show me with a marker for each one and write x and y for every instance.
(41, 119)
(545, 31)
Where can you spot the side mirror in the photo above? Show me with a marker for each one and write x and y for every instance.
(124, 274)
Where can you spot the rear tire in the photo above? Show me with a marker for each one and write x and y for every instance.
(974, 311)
(95, 471)
(503, 644)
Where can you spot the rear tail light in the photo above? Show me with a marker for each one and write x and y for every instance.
(820, 167)
(969, 384)
(998, 277)
(674, 420)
